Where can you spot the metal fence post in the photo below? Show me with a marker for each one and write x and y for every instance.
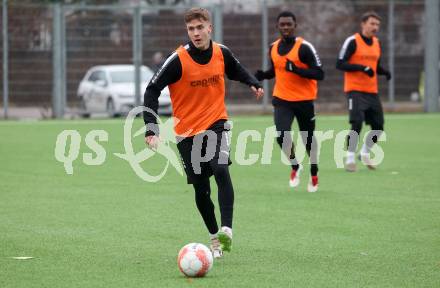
(63, 62)
(5, 59)
(57, 90)
(264, 44)
(431, 55)
(137, 51)
(218, 23)
(391, 87)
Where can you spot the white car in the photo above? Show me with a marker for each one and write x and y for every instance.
(111, 89)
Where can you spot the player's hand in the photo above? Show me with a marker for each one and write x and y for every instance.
(388, 75)
(367, 70)
(291, 67)
(152, 141)
(259, 92)
(259, 75)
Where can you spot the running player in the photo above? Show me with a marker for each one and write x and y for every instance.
(296, 67)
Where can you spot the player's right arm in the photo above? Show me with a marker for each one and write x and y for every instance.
(170, 72)
(347, 50)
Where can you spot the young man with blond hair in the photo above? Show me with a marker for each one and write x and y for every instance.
(195, 74)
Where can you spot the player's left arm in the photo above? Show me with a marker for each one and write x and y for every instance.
(309, 56)
(382, 71)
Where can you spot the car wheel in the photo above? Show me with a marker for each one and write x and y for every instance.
(111, 112)
(83, 109)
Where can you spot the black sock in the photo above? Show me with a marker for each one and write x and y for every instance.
(313, 158)
(314, 169)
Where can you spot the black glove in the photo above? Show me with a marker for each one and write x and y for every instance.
(388, 75)
(367, 70)
(260, 75)
(291, 67)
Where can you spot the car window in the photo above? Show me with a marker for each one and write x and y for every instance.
(127, 76)
(97, 75)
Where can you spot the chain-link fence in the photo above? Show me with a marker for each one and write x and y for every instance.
(93, 35)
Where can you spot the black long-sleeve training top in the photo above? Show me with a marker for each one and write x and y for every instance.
(171, 72)
(307, 55)
(348, 49)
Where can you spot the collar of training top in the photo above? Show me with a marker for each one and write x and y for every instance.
(366, 39)
(289, 40)
(197, 50)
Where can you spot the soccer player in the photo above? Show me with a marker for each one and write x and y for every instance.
(360, 58)
(195, 74)
(296, 67)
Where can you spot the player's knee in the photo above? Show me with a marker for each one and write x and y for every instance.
(378, 127)
(353, 137)
(221, 170)
(356, 126)
(280, 141)
(283, 136)
(201, 187)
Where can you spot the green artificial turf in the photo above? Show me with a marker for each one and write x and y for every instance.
(105, 227)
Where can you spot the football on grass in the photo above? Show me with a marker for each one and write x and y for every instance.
(194, 260)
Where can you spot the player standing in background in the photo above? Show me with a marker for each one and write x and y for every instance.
(296, 67)
(195, 74)
(360, 58)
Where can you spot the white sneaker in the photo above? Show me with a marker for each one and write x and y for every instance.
(294, 177)
(350, 166)
(350, 162)
(216, 248)
(313, 184)
(365, 158)
(225, 238)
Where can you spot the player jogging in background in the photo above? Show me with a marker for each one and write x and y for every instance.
(195, 74)
(296, 68)
(360, 58)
